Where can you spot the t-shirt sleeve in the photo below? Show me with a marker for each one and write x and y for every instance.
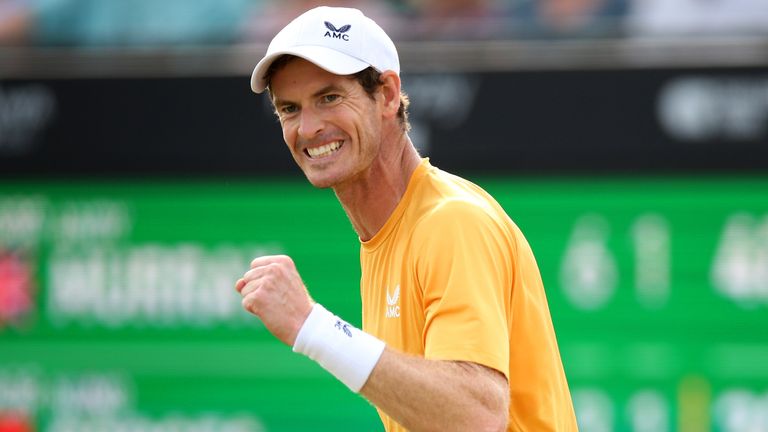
(464, 269)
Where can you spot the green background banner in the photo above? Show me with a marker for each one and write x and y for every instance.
(118, 309)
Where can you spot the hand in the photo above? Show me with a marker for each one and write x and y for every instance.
(273, 291)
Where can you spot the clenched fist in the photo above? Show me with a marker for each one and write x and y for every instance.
(273, 291)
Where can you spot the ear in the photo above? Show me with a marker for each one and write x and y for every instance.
(390, 90)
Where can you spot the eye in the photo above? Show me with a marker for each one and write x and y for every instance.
(288, 109)
(330, 98)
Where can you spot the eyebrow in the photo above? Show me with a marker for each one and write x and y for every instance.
(327, 89)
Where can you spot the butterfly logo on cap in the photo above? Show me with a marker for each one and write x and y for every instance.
(337, 33)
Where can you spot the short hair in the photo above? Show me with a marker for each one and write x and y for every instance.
(369, 79)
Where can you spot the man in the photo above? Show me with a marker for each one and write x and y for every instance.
(457, 334)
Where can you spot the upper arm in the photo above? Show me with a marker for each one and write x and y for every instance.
(489, 387)
(488, 378)
(464, 270)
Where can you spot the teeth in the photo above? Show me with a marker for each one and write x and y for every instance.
(324, 150)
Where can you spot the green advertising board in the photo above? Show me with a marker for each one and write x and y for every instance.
(118, 310)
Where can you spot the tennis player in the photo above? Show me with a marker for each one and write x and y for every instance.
(457, 334)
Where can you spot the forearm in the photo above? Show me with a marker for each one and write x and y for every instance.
(430, 395)
(420, 394)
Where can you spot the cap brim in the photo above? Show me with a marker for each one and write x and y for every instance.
(331, 60)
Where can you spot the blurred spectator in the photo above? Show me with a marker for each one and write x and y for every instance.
(568, 18)
(15, 21)
(135, 22)
(697, 17)
(162, 22)
(456, 19)
(272, 16)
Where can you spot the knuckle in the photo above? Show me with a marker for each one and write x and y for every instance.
(274, 270)
(250, 303)
(250, 289)
(285, 259)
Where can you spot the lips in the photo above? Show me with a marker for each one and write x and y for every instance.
(324, 150)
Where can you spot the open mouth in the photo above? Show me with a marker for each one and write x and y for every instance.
(323, 150)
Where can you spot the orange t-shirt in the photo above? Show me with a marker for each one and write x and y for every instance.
(451, 277)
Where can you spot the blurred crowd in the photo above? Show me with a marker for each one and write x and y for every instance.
(195, 22)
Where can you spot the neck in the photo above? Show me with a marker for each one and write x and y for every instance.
(371, 198)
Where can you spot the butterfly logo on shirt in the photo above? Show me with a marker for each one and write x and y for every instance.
(393, 303)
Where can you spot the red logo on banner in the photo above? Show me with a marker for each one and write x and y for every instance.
(15, 287)
(13, 422)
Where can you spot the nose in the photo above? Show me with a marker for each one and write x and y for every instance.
(310, 123)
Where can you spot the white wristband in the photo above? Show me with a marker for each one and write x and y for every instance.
(343, 350)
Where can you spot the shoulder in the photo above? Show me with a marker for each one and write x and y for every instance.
(462, 220)
(443, 192)
(445, 204)
(458, 210)
(455, 200)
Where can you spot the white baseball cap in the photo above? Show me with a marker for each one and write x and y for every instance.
(342, 41)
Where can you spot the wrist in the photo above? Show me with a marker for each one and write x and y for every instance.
(299, 325)
(343, 350)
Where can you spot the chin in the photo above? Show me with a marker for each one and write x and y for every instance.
(321, 182)
(327, 176)
(321, 185)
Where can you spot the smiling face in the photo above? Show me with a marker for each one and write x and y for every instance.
(331, 125)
